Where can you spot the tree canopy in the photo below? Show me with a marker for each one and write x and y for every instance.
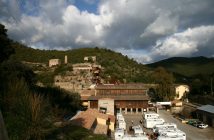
(165, 80)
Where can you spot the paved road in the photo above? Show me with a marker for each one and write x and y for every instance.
(192, 132)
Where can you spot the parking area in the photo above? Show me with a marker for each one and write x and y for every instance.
(135, 118)
(192, 132)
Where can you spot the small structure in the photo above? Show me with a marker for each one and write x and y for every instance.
(93, 120)
(54, 62)
(205, 113)
(180, 91)
(66, 59)
(106, 105)
(88, 58)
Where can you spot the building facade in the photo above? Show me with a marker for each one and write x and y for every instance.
(127, 98)
(180, 91)
(54, 62)
(205, 113)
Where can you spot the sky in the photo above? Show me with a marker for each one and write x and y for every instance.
(146, 30)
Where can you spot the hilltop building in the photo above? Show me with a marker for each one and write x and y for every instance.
(54, 62)
(88, 58)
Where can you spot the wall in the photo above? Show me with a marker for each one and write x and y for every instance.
(206, 117)
(131, 104)
(54, 62)
(108, 104)
(101, 121)
(111, 126)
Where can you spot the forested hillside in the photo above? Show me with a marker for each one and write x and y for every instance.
(197, 72)
(188, 67)
(116, 65)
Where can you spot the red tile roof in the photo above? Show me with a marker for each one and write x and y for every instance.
(87, 118)
(84, 120)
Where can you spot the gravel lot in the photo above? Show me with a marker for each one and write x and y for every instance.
(192, 132)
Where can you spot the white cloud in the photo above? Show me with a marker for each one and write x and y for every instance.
(164, 24)
(82, 40)
(131, 24)
(186, 43)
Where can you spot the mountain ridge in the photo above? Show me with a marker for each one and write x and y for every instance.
(187, 66)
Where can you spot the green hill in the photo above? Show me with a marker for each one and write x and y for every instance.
(116, 65)
(188, 67)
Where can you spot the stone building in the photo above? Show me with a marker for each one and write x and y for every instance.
(54, 62)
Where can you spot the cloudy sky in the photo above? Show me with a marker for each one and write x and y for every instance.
(146, 30)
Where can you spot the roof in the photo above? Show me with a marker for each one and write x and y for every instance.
(207, 108)
(120, 97)
(86, 93)
(96, 113)
(101, 129)
(121, 86)
(84, 120)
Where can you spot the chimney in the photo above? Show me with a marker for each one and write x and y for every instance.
(66, 59)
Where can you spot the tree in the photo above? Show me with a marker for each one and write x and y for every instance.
(165, 90)
(5, 45)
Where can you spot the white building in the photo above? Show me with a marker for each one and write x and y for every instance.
(180, 91)
(54, 62)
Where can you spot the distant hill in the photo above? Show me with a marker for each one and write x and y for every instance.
(115, 64)
(188, 67)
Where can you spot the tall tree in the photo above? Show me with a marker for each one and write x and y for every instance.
(165, 90)
(5, 44)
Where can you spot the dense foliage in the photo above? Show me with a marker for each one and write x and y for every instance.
(165, 80)
(197, 72)
(74, 133)
(29, 111)
(116, 66)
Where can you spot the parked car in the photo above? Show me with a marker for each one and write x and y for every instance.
(196, 123)
(202, 125)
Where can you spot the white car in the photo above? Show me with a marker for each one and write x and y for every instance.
(202, 126)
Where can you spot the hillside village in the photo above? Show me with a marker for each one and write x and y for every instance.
(101, 100)
(98, 96)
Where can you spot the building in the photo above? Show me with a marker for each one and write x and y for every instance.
(94, 120)
(66, 59)
(88, 58)
(129, 98)
(54, 62)
(205, 113)
(180, 91)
